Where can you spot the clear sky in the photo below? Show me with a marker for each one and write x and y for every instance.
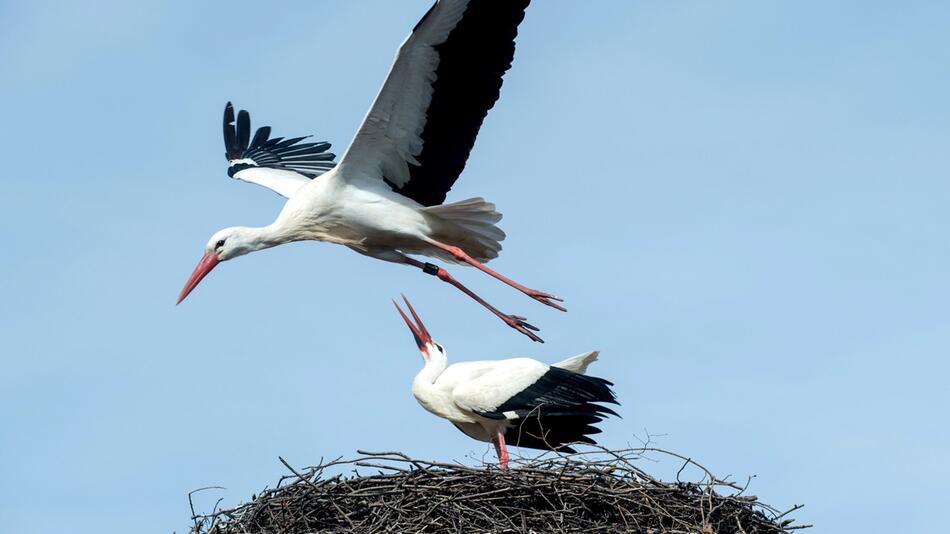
(744, 203)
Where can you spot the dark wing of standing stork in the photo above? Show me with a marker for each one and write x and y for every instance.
(281, 165)
(447, 74)
(548, 412)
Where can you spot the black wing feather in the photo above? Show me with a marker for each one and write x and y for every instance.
(260, 135)
(231, 150)
(541, 431)
(561, 388)
(243, 130)
(557, 409)
(288, 142)
(472, 61)
(308, 159)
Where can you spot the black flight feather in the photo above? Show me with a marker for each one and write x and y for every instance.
(308, 159)
(260, 135)
(231, 150)
(243, 130)
(559, 408)
(472, 60)
(544, 432)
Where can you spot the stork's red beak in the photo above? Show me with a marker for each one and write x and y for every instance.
(418, 329)
(208, 261)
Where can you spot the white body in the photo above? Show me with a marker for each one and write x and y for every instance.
(456, 392)
(374, 220)
(351, 204)
(385, 197)
(331, 208)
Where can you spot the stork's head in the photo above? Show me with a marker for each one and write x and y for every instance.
(427, 346)
(224, 245)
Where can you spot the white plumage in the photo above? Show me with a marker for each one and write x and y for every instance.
(520, 401)
(281, 181)
(384, 198)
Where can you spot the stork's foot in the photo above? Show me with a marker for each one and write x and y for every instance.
(545, 298)
(520, 324)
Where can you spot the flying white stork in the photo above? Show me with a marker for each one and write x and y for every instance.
(518, 401)
(385, 197)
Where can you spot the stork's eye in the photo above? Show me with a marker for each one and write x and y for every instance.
(219, 244)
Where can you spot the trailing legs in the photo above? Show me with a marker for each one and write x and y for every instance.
(461, 256)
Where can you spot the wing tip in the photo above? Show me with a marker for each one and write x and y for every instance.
(230, 133)
(310, 160)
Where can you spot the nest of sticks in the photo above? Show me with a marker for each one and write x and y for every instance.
(599, 491)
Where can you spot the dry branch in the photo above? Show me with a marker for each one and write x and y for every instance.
(591, 492)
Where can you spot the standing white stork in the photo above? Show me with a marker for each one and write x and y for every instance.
(518, 401)
(385, 197)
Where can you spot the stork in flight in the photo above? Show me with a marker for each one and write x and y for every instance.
(517, 401)
(385, 197)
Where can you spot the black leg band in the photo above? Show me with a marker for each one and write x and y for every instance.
(430, 268)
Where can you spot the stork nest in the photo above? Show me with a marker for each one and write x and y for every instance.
(600, 491)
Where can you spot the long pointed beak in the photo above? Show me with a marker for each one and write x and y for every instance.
(208, 262)
(418, 329)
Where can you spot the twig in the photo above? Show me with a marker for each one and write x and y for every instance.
(595, 490)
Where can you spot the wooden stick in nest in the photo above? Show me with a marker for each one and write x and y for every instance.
(592, 492)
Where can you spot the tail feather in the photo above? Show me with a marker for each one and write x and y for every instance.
(579, 363)
(470, 225)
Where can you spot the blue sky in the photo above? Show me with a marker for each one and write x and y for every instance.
(743, 203)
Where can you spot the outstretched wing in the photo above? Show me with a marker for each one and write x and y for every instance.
(281, 165)
(420, 130)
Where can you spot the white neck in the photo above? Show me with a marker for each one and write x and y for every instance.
(424, 389)
(271, 235)
(435, 365)
(258, 238)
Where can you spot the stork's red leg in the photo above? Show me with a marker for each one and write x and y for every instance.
(501, 449)
(540, 296)
(515, 321)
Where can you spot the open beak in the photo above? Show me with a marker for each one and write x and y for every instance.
(208, 261)
(418, 329)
